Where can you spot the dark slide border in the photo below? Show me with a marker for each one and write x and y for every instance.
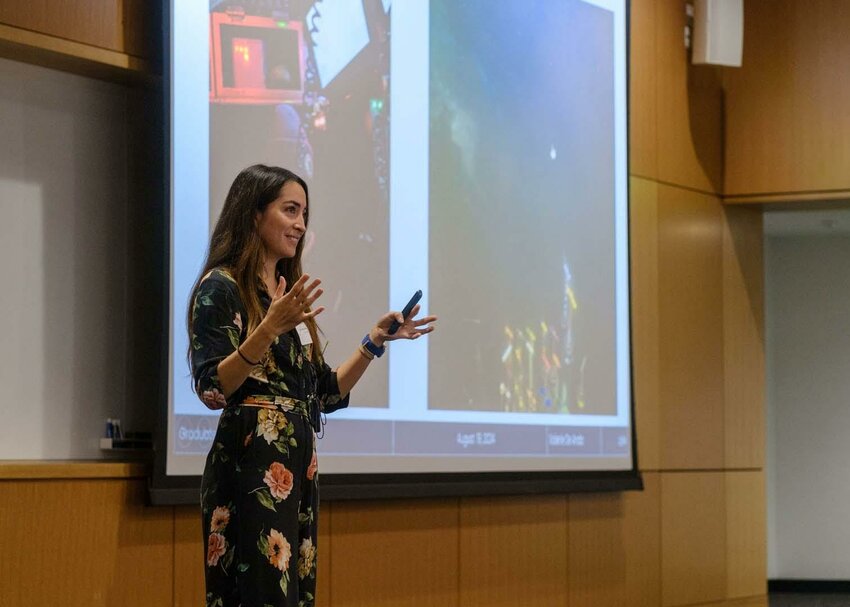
(172, 490)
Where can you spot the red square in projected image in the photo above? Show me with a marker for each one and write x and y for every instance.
(248, 65)
(256, 60)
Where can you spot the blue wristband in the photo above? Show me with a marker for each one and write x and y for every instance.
(374, 349)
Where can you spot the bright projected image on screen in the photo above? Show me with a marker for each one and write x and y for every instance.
(475, 150)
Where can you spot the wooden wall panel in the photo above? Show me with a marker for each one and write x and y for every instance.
(746, 534)
(116, 40)
(124, 26)
(743, 338)
(597, 552)
(394, 553)
(690, 309)
(643, 225)
(74, 57)
(642, 537)
(83, 542)
(643, 127)
(760, 105)
(690, 108)
(513, 551)
(693, 538)
(188, 557)
(614, 548)
(787, 125)
(140, 21)
(97, 22)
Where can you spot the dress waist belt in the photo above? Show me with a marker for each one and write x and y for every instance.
(278, 403)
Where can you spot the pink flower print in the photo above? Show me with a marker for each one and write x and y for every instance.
(313, 467)
(214, 399)
(215, 548)
(279, 481)
(237, 320)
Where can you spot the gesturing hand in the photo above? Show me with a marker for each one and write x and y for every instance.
(412, 328)
(288, 310)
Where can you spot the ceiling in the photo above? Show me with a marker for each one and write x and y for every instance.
(807, 222)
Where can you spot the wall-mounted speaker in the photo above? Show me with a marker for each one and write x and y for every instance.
(718, 32)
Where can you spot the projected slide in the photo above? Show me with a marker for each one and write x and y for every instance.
(471, 149)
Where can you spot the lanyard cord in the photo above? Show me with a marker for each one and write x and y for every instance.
(307, 384)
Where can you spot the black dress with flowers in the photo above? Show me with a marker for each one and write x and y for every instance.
(259, 493)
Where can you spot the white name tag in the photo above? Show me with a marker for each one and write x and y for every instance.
(304, 334)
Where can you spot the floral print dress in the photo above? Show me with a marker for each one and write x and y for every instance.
(259, 493)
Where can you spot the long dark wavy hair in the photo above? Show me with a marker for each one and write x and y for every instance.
(236, 247)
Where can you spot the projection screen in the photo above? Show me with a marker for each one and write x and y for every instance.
(475, 150)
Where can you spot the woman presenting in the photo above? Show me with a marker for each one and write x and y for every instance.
(255, 353)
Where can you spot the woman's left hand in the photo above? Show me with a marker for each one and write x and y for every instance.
(412, 328)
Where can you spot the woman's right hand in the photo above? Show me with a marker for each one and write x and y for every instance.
(289, 309)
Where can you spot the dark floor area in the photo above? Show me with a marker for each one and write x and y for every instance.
(783, 599)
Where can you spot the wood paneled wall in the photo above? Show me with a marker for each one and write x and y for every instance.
(73, 537)
(787, 116)
(690, 538)
(123, 26)
(688, 104)
(694, 536)
(111, 39)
